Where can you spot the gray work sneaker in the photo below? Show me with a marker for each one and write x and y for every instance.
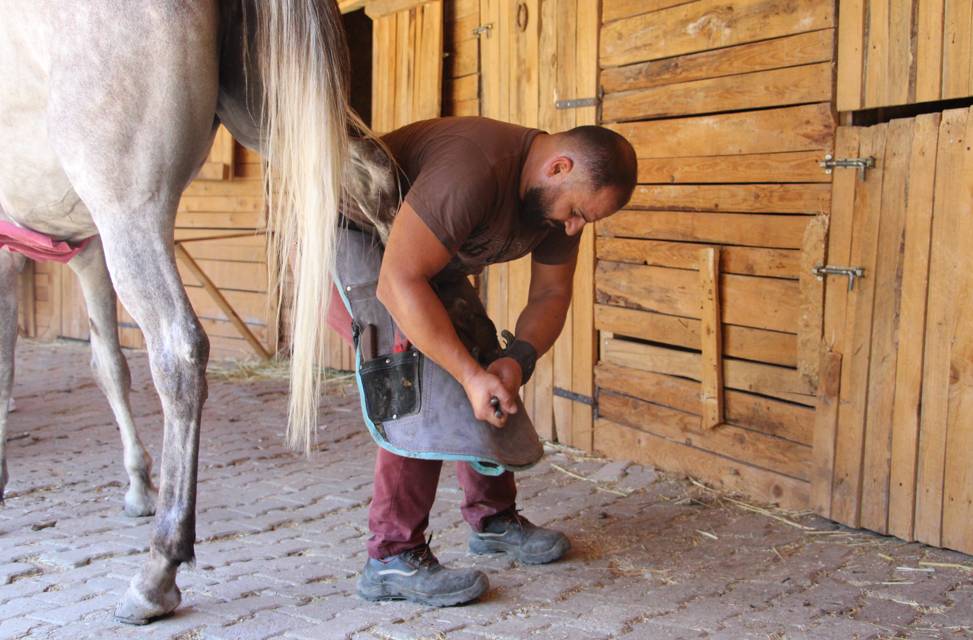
(513, 534)
(416, 575)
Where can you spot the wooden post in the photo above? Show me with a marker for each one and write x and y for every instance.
(222, 302)
(711, 337)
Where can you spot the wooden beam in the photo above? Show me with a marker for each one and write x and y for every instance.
(710, 333)
(378, 8)
(218, 298)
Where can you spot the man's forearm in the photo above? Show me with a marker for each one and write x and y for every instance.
(542, 319)
(422, 317)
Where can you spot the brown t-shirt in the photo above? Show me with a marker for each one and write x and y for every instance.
(462, 177)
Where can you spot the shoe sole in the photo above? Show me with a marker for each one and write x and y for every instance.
(480, 546)
(382, 592)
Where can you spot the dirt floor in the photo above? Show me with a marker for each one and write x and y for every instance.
(281, 538)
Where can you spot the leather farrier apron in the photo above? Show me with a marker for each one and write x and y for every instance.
(412, 406)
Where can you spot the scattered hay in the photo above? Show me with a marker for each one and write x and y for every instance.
(273, 369)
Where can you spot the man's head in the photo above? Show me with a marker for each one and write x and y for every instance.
(577, 177)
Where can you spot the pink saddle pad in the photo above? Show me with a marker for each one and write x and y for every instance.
(38, 246)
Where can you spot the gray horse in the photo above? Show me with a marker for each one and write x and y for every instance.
(107, 110)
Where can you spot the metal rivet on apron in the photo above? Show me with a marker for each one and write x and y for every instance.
(347, 288)
(395, 416)
(387, 361)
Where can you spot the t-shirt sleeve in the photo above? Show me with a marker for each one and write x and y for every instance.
(557, 248)
(454, 191)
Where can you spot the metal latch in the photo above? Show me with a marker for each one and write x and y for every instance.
(483, 28)
(575, 397)
(852, 272)
(576, 103)
(829, 163)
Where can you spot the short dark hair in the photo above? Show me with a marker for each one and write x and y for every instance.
(608, 159)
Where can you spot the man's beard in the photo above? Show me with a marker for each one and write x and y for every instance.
(535, 209)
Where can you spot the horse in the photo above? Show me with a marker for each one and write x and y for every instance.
(108, 109)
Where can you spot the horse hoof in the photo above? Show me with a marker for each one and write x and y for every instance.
(138, 608)
(139, 504)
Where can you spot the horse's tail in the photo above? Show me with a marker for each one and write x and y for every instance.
(304, 69)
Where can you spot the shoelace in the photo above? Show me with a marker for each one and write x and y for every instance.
(423, 555)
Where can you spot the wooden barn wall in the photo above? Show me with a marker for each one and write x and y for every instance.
(226, 199)
(895, 421)
(896, 52)
(729, 106)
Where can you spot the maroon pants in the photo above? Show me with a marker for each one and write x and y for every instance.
(405, 489)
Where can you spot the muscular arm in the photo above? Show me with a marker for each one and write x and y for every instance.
(413, 255)
(542, 319)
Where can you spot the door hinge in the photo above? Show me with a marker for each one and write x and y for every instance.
(575, 397)
(852, 273)
(483, 28)
(862, 164)
(577, 103)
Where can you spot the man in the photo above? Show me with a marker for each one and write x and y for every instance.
(479, 192)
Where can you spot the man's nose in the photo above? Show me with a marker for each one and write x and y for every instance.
(573, 226)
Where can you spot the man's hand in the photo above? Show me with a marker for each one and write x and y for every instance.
(480, 388)
(508, 370)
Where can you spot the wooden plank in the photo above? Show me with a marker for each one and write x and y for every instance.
(778, 87)
(462, 60)
(929, 50)
(957, 48)
(825, 428)
(851, 51)
(465, 88)
(780, 232)
(884, 350)
(233, 188)
(788, 129)
(772, 417)
(240, 276)
(835, 307)
(583, 329)
(464, 108)
(753, 261)
(774, 454)
(849, 445)
(203, 204)
(773, 347)
(811, 323)
(708, 24)
(221, 220)
(765, 379)
(799, 166)
(944, 278)
(912, 323)
(777, 53)
(459, 31)
(618, 9)
(406, 59)
(627, 443)
(711, 334)
(763, 303)
(771, 198)
(900, 83)
(429, 61)
(958, 483)
(383, 76)
(375, 9)
(877, 54)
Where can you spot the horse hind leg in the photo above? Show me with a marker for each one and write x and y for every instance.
(111, 371)
(148, 283)
(10, 266)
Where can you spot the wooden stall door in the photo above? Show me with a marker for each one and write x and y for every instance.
(533, 54)
(895, 415)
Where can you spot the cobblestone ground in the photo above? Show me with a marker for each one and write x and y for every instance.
(281, 539)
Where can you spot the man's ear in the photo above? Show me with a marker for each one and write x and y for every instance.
(560, 166)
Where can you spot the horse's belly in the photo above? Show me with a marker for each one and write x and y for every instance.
(34, 190)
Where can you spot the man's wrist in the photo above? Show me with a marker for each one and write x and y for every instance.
(524, 354)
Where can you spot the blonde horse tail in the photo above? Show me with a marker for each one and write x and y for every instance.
(304, 68)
